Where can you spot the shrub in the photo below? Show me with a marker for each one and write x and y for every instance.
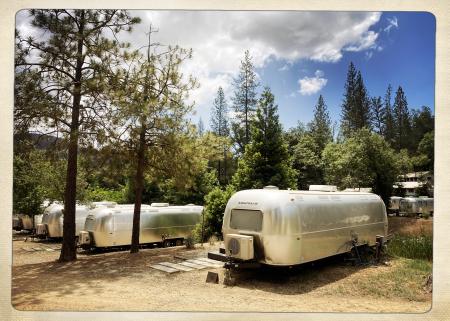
(215, 203)
(189, 242)
(98, 194)
(426, 215)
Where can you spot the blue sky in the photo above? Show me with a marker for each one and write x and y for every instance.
(298, 54)
(406, 58)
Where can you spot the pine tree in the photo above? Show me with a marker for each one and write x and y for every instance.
(402, 121)
(349, 104)
(266, 159)
(150, 93)
(320, 127)
(220, 127)
(307, 152)
(75, 60)
(362, 104)
(422, 122)
(378, 115)
(389, 117)
(244, 102)
(356, 112)
(200, 127)
(219, 115)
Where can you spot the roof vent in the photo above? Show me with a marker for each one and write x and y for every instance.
(323, 188)
(159, 204)
(270, 187)
(358, 189)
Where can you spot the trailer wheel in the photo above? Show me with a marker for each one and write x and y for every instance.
(179, 242)
(166, 243)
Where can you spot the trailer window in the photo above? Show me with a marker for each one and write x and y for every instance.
(248, 220)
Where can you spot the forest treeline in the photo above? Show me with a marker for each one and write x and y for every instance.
(96, 119)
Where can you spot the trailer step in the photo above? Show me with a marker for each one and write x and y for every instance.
(217, 256)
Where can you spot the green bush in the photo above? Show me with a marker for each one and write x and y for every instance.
(98, 194)
(215, 203)
(412, 247)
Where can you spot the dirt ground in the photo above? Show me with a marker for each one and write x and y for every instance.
(119, 281)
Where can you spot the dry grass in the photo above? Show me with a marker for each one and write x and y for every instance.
(410, 226)
(403, 278)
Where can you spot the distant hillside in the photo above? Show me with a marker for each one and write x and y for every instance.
(40, 141)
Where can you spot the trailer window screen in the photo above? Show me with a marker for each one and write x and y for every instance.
(247, 220)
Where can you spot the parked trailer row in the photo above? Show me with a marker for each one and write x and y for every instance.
(25, 222)
(159, 223)
(52, 219)
(286, 227)
(107, 224)
(411, 206)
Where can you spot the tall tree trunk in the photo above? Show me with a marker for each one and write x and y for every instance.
(139, 186)
(219, 172)
(69, 247)
(246, 116)
(225, 166)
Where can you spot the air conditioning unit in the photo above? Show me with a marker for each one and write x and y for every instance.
(84, 238)
(239, 246)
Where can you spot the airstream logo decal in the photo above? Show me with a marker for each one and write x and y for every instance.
(248, 203)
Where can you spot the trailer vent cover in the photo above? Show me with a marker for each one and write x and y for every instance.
(270, 187)
(159, 204)
(233, 246)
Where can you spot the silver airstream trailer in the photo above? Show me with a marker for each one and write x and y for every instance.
(52, 219)
(394, 204)
(37, 219)
(286, 227)
(27, 222)
(159, 223)
(16, 223)
(413, 206)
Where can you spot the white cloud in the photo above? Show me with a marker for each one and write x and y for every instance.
(219, 39)
(367, 41)
(292, 95)
(391, 23)
(368, 55)
(284, 68)
(311, 85)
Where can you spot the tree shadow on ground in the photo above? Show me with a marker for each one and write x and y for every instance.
(87, 274)
(301, 278)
